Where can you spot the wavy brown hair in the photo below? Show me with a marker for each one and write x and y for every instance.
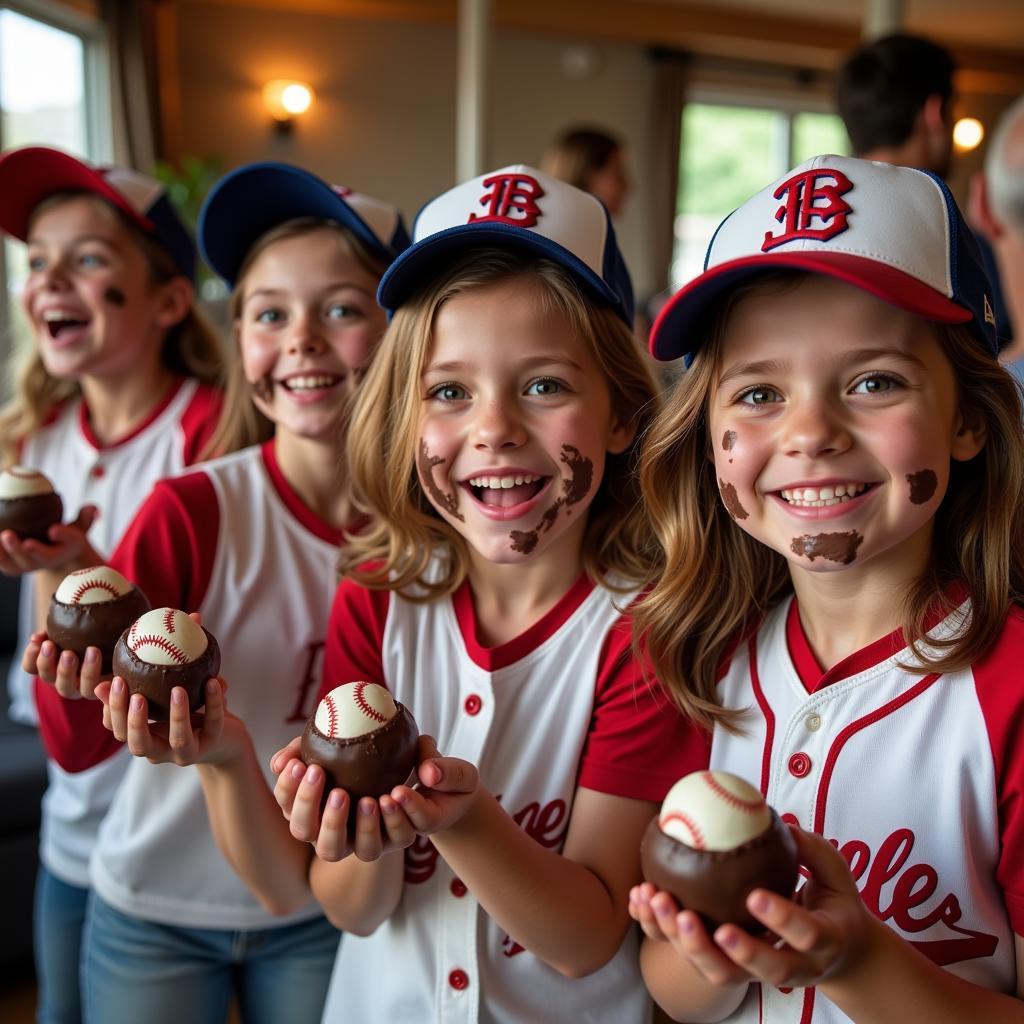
(406, 531)
(718, 581)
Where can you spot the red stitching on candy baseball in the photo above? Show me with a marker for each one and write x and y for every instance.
(750, 806)
(169, 620)
(332, 713)
(364, 705)
(155, 640)
(688, 823)
(93, 585)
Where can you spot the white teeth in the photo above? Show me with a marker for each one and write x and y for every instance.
(54, 315)
(309, 383)
(501, 482)
(818, 497)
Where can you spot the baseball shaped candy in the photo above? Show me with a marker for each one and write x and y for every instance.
(92, 608)
(28, 503)
(714, 840)
(364, 740)
(162, 649)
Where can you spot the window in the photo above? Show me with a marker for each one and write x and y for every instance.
(729, 152)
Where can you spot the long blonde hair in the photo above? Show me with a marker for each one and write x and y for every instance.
(718, 581)
(189, 349)
(406, 531)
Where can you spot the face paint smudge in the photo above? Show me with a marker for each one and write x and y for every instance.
(263, 388)
(731, 500)
(728, 440)
(115, 296)
(922, 485)
(426, 463)
(574, 489)
(834, 547)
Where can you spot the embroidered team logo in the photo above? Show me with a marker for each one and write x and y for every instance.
(511, 199)
(808, 196)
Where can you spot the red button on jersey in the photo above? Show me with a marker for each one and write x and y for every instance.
(799, 765)
(458, 887)
(98, 471)
(473, 704)
(458, 979)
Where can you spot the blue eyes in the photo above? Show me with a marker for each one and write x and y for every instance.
(872, 384)
(449, 393)
(335, 313)
(452, 392)
(88, 261)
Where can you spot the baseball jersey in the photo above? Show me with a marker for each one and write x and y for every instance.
(562, 705)
(116, 478)
(233, 541)
(916, 776)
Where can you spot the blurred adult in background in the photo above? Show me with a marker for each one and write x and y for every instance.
(591, 160)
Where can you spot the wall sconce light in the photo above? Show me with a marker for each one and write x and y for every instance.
(967, 134)
(285, 100)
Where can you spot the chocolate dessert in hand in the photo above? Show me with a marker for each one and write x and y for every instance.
(28, 503)
(92, 608)
(162, 649)
(713, 842)
(364, 740)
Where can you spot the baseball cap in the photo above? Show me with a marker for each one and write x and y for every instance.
(33, 173)
(896, 232)
(522, 208)
(250, 200)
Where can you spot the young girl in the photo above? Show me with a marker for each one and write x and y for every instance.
(251, 542)
(837, 484)
(494, 439)
(117, 392)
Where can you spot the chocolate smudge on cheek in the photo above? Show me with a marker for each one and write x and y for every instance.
(731, 500)
(263, 388)
(426, 463)
(115, 296)
(922, 485)
(574, 489)
(728, 440)
(834, 547)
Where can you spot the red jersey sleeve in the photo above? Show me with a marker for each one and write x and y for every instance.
(168, 552)
(639, 743)
(355, 633)
(199, 421)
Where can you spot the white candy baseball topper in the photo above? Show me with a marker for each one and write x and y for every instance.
(166, 636)
(21, 482)
(95, 585)
(354, 709)
(714, 811)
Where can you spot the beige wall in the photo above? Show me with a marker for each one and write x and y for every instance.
(384, 119)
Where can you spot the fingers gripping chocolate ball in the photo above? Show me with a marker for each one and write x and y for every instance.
(28, 503)
(365, 741)
(714, 841)
(92, 608)
(162, 649)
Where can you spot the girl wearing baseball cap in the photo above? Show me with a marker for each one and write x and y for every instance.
(836, 484)
(250, 542)
(118, 390)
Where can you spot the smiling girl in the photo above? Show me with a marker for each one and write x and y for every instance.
(249, 541)
(837, 483)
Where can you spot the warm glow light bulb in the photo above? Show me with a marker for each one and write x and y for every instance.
(967, 133)
(285, 100)
(296, 98)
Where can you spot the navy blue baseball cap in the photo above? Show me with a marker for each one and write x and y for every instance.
(521, 208)
(34, 173)
(896, 232)
(250, 200)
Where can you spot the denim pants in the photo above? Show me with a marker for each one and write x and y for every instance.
(142, 972)
(59, 917)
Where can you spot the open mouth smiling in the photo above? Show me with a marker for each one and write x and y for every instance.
(60, 321)
(823, 496)
(505, 490)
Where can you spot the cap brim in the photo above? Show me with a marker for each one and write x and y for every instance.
(419, 263)
(674, 332)
(251, 200)
(30, 175)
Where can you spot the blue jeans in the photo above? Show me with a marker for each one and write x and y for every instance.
(59, 917)
(141, 972)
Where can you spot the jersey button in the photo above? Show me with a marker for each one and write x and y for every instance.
(458, 979)
(799, 765)
(473, 704)
(98, 472)
(813, 722)
(458, 888)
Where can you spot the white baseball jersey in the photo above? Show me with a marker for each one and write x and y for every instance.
(234, 542)
(563, 705)
(116, 478)
(917, 777)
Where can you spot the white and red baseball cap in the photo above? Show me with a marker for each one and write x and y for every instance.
(515, 207)
(34, 173)
(896, 232)
(250, 200)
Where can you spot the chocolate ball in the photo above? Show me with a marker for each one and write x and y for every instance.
(715, 883)
(28, 503)
(162, 649)
(92, 608)
(365, 742)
